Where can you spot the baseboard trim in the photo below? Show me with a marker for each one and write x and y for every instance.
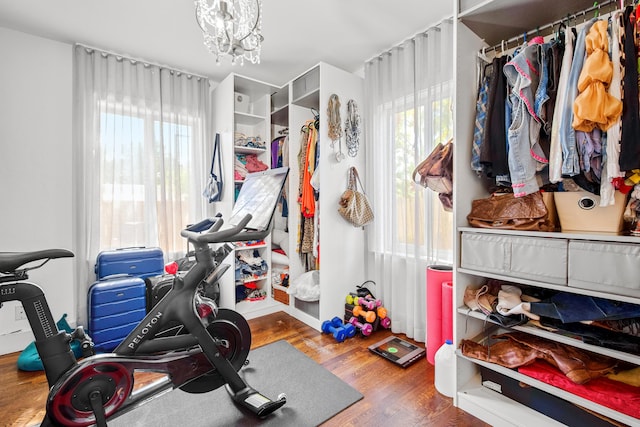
(15, 341)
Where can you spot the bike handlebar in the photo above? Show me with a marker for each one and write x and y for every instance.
(237, 233)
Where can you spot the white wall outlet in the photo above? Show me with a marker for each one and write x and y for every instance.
(20, 314)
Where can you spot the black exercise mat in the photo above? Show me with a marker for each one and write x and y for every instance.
(313, 395)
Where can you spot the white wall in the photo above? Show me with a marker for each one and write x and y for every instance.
(35, 168)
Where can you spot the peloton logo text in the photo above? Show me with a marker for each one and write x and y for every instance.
(145, 330)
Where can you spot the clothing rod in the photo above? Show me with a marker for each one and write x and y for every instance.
(144, 61)
(505, 43)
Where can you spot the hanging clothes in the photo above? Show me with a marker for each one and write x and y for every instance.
(555, 148)
(307, 161)
(525, 155)
(479, 123)
(611, 168)
(574, 100)
(279, 158)
(594, 106)
(570, 161)
(308, 203)
(630, 142)
(493, 151)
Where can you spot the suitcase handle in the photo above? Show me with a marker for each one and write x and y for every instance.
(115, 276)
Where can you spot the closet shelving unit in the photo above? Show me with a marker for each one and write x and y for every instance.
(341, 245)
(478, 24)
(290, 106)
(252, 117)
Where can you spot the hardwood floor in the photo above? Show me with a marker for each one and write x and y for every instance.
(392, 395)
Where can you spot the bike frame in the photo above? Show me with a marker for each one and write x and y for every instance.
(182, 358)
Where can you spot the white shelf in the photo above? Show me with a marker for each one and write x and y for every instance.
(280, 116)
(253, 309)
(557, 337)
(248, 150)
(248, 119)
(498, 20)
(308, 100)
(252, 279)
(569, 397)
(250, 247)
(562, 288)
(503, 412)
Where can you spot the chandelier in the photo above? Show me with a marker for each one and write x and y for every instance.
(231, 27)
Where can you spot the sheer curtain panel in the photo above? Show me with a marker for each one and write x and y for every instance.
(409, 91)
(139, 166)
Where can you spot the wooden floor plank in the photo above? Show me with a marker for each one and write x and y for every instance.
(392, 395)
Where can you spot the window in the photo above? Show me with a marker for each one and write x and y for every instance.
(145, 168)
(419, 218)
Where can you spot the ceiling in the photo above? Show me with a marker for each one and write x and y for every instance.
(298, 33)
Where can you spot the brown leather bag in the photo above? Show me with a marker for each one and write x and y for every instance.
(504, 211)
(436, 171)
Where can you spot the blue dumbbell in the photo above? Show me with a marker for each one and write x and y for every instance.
(349, 329)
(338, 332)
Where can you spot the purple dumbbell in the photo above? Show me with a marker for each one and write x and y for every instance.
(365, 328)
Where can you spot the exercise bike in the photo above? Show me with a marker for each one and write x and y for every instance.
(101, 387)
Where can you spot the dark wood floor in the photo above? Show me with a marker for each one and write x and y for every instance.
(392, 395)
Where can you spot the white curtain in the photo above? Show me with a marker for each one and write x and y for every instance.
(140, 134)
(409, 91)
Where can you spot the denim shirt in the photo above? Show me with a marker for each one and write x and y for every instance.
(567, 135)
(523, 75)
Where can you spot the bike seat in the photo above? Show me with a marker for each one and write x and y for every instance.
(10, 261)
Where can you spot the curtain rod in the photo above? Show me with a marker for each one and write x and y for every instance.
(435, 26)
(596, 7)
(144, 61)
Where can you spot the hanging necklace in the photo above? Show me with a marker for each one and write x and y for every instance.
(333, 112)
(352, 128)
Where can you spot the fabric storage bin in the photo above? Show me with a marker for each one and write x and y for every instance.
(605, 267)
(535, 258)
(581, 211)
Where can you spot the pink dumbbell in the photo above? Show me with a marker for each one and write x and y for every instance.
(376, 302)
(369, 303)
(365, 328)
(385, 322)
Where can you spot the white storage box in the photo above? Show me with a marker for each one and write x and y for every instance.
(581, 211)
(535, 258)
(605, 267)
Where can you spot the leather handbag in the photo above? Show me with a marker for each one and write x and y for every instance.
(504, 211)
(436, 171)
(354, 205)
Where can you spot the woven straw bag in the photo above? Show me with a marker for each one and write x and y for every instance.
(354, 205)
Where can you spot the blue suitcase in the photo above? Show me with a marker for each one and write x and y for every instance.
(141, 262)
(116, 305)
